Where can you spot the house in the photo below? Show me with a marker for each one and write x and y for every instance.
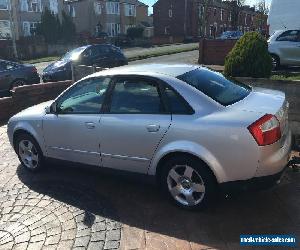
(182, 19)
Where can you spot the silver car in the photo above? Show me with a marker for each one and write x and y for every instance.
(191, 128)
(284, 47)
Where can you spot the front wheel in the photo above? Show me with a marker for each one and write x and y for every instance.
(188, 182)
(29, 152)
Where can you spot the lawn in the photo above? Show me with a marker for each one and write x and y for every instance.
(42, 59)
(286, 76)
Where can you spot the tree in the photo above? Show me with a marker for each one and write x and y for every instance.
(249, 57)
(68, 29)
(49, 27)
(262, 10)
(235, 8)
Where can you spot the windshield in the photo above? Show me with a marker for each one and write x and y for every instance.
(73, 54)
(224, 90)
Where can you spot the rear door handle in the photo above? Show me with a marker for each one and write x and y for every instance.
(153, 128)
(90, 125)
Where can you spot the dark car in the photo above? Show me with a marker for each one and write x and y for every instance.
(231, 35)
(100, 55)
(14, 74)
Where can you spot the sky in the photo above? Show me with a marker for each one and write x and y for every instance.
(151, 2)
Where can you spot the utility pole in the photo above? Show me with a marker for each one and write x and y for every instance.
(12, 28)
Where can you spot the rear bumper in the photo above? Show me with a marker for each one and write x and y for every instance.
(254, 184)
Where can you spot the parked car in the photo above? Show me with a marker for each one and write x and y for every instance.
(101, 55)
(190, 128)
(284, 47)
(14, 74)
(231, 35)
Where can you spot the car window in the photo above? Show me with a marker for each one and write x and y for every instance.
(103, 50)
(86, 97)
(289, 36)
(176, 103)
(224, 90)
(136, 96)
(7, 66)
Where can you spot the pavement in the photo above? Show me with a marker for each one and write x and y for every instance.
(80, 208)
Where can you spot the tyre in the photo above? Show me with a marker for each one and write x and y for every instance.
(188, 182)
(29, 152)
(275, 62)
(17, 83)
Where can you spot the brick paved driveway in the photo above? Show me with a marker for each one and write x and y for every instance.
(63, 208)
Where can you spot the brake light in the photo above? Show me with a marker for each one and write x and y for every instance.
(34, 70)
(266, 130)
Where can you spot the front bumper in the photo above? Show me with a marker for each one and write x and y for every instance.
(56, 76)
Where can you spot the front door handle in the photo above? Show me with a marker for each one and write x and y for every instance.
(90, 125)
(153, 128)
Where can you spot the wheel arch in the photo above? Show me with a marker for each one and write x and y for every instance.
(195, 151)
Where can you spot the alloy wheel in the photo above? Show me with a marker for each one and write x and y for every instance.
(186, 185)
(28, 154)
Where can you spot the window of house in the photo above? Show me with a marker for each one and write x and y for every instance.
(130, 10)
(170, 13)
(211, 30)
(71, 10)
(230, 16)
(128, 26)
(201, 11)
(215, 11)
(245, 19)
(113, 8)
(167, 30)
(29, 28)
(3, 4)
(113, 29)
(97, 8)
(53, 5)
(222, 15)
(5, 31)
(34, 5)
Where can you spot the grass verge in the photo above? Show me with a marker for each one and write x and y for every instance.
(42, 59)
(285, 76)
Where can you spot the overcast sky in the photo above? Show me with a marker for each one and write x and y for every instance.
(151, 2)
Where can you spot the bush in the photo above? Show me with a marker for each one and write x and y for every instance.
(249, 58)
(135, 32)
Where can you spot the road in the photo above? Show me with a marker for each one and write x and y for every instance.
(184, 57)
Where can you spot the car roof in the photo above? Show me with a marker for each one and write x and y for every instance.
(173, 70)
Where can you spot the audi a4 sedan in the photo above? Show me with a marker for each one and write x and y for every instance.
(101, 55)
(190, 128)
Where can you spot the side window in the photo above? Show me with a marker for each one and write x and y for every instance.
(103, 50)
(289, 36)
(136, 96)
(86, 97)
(176, 103)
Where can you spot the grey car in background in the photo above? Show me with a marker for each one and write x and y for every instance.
(190, 128)
(14, 74)
(284, 47)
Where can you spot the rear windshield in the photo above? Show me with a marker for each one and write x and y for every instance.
(224, 90)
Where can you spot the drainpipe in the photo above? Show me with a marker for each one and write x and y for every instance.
(184, 24)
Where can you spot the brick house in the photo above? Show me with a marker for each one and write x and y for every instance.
(179, 19)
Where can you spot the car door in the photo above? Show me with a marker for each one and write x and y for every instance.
(5, 77)
(288, 44)
(133, 124)
(72, 132)
(101, 56)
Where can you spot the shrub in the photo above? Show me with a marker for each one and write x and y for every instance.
(135, 32)
(249, 57)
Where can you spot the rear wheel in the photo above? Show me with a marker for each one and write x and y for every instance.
(17, 83)
(188, 182)
(29, 152)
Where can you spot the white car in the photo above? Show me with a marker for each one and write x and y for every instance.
(284, 47)
(190, 128)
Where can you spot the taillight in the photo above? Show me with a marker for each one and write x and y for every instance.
(33, 69)
(266, 130)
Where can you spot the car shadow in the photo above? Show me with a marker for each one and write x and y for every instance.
(142, 209)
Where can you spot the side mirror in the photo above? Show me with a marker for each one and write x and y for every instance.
(51, 109)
